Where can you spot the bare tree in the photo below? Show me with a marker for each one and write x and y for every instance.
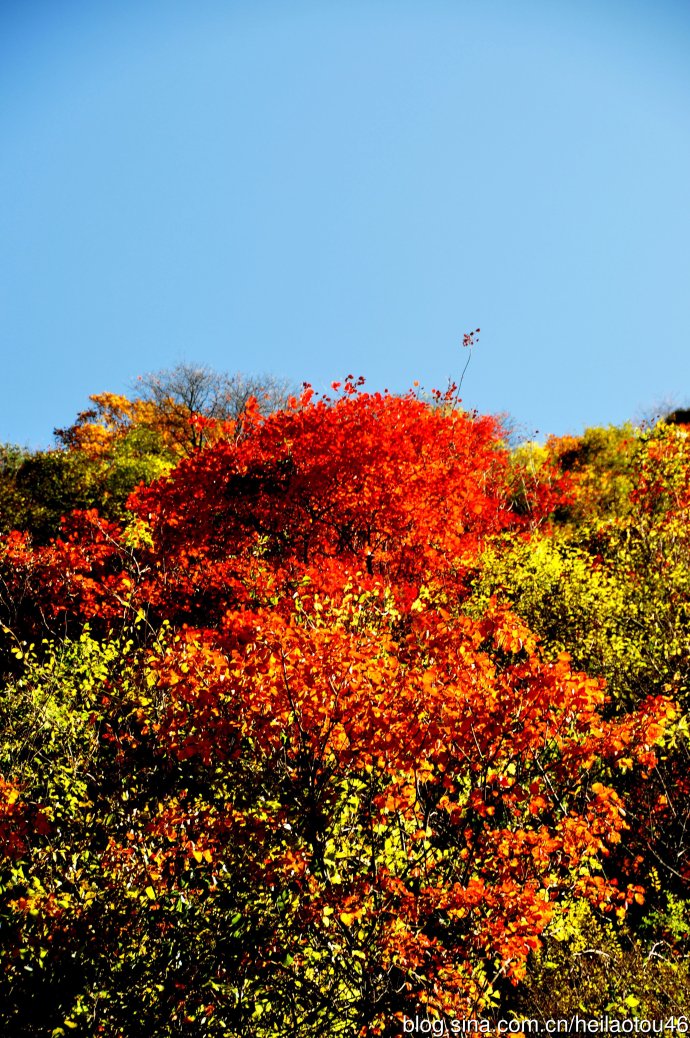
(187, 391)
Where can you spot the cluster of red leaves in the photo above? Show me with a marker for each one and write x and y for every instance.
(384, 485)
(18, 822)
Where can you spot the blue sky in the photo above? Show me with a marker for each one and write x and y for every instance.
(317, 189)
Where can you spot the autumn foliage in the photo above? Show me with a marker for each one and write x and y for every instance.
(311, 779)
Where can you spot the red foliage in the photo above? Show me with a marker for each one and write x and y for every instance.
(379, 484)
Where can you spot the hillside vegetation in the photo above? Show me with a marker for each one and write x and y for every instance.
(319, 713)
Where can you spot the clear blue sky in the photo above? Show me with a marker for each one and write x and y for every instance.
(317, 189)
